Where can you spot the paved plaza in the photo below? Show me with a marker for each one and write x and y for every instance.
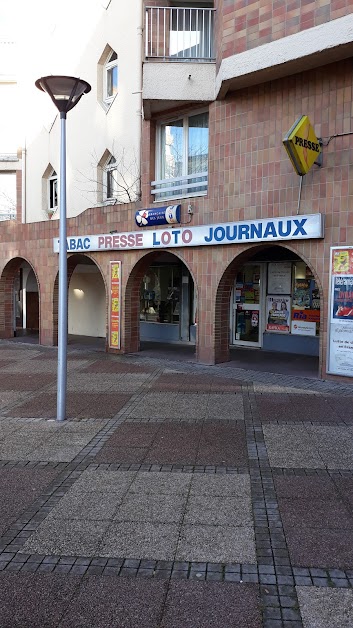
(175, 495)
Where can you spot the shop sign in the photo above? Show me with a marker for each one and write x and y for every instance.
(169, 215)
(310, 316)
(303, 328)
(340, 354)
(302, 145)
(266, 230)
(278, 313)
(115, 305)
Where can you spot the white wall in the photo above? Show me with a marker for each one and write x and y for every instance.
(73, 45)
(87, 303)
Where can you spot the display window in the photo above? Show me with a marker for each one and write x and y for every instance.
(274, 298)
(160, 295)
(305, 318)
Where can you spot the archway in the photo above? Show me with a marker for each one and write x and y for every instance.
(160, 302)
(20, 301)
(269, 298)
(87, 302)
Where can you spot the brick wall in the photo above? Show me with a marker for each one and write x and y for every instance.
(247, 24)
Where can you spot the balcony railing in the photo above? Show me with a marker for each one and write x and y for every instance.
(179, 33)
(184, 186)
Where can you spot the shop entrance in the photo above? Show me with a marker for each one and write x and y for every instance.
(167, 302)
(19, 287)
(247, 310)
(275, 304)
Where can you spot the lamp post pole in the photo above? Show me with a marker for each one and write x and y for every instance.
(63, 287)
(65, 92)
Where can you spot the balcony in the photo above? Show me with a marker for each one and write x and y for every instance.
(179, 63)
(179, 34)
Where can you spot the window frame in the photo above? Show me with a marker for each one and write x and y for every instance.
(109, 65)
(52, 182)
(185, 147)
(108, 182)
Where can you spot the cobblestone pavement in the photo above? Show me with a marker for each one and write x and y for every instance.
(175, 496)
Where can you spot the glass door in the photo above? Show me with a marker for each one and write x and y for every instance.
(247, 311)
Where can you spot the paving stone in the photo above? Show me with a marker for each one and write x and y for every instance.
(161, 483)
(214, 510)
(227, 486)
(320, 548)
(18, 489)
(211, 605)
(152, 508)
(113, 601)
(28, 600)
(216, 544)
(321, 608)
(74, 537)
(315, 513)
(140, 540)
(87, 506)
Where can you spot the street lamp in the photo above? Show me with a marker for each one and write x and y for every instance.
(65, 92)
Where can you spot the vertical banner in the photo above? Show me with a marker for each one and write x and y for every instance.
(115, 305)
(340, 344)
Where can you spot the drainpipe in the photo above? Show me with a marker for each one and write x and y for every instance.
(139, 79)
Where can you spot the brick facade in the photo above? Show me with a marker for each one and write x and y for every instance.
(250, 177)
(247, 24)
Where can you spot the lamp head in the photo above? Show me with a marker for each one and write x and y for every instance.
(65, 91)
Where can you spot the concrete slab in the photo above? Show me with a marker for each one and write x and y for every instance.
(212, 605)
(154, 508)
(225, 511)
(321, 608)
(157, 541)
(120, 602)
(221, 485)
(161, 483)
(291, 446)
(28, 600)
(216, 544)
(66, 538)
(98, 480)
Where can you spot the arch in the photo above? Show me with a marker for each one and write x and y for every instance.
(8, 277)
(131, 343)
(224, 289)
(72, 262)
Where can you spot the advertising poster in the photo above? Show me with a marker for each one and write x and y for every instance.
(343, 298)
(280, 277)
(340, 358)
(303, 328)
(115, 305)
(278, 310)
(301, 295)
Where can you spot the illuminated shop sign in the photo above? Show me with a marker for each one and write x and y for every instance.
(266, 230)
(169, 215)
(302, 145)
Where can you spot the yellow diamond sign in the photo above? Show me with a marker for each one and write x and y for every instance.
(302, 145)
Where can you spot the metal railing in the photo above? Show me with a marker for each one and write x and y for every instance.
(184, 186)
(179, 33)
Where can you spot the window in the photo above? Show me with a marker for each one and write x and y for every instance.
(7, 195)
(111, 77)
(53, 193)
(182, 159)
(110, 172)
